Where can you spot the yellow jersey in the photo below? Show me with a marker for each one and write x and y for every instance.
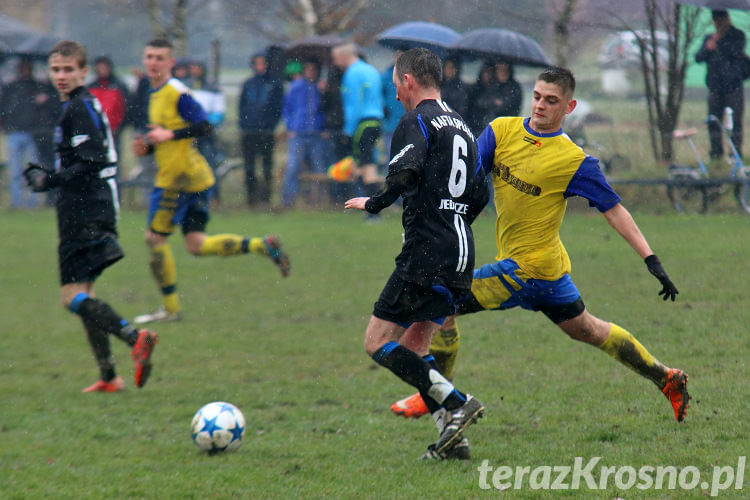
(180, 166)
(533, 174)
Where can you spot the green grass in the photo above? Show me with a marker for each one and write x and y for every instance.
(289, 354)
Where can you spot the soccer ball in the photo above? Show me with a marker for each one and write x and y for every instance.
(218, 427)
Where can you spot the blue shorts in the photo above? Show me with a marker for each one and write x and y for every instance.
(501, 285)
(169, 208)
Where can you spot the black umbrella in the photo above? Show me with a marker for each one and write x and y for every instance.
(433, 36)
(315, 47)
(719, 4)
(505, 45)
(16, 38)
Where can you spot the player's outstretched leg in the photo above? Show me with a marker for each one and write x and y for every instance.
(444, 348)
(625, 348)
(232, 244)
(141, 354)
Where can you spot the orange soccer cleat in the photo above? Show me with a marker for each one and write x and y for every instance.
(675, 389)
(113, 385)
(411, 407)
(141, 355)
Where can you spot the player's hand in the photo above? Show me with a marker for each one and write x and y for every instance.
(358, 203)
(139, 145)
(37, 177)
(654, 267)
(159, 134)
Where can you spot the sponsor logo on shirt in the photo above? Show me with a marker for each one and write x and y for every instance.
(448, 204)
(503, 172)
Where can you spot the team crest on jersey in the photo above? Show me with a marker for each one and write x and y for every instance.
(533, 141)
(401, 153)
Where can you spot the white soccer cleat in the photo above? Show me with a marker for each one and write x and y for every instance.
(159, 316)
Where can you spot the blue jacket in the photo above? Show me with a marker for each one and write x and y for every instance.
(361, 95)
(260, 103)
(301, 109)
(394, 110)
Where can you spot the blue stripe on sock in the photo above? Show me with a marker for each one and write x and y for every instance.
(459, 396)
(429, 358)
(75, 304)
(167, 290)
(384, 351)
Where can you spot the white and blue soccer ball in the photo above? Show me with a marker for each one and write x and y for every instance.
(218, 427)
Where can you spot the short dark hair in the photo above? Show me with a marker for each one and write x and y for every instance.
(562, 77)
(69, 48)
(423, 65)
(719, 14)
(160, 43)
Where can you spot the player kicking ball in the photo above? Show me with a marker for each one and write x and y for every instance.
(535, 167)
(87, 212)
(434, 168)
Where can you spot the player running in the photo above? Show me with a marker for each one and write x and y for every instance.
(183, 184)
(87, 211)
(535, 167)
(434, 167)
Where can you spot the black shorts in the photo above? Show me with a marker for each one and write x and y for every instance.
(84, 261)
(403, 302)
(364, 140)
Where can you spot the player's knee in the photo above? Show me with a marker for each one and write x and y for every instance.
(154, 240)
(449, 323)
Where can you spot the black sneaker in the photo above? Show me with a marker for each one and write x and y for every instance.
(457, 421)
(275, 251)
(461, 451)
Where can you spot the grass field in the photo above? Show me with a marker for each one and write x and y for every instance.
(289, 354)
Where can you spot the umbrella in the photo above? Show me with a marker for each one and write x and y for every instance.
(317, 47)
(433, 36)
(16, 38)
(719, 4)
(509, 46)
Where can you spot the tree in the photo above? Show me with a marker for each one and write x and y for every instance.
(664, 81)
(564, 11)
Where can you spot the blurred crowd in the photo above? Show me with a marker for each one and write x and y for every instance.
(329, 111)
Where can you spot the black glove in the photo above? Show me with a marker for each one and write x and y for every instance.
(654, 267)
(38, 178)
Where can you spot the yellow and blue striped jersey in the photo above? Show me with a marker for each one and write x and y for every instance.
(533, 174)
(181, 166)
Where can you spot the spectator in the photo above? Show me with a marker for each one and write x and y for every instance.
(213, 102)
(112, 94)
(508, 91)
(259, 110)
(723, 52)
(497, 94)
(453, 90)
(305, 124)
(339, 144)
(362, 102)
(480, 96)
(28, 112)
(392, 109)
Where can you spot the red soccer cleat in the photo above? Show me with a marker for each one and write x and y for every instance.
(141, 355)
(411, 407)
(113, 385)
(675, 389)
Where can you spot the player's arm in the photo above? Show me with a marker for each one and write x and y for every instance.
(620, 219)
(590, 183)
(190, 111)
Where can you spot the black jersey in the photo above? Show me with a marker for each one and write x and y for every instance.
(86, 166)
(449, 190)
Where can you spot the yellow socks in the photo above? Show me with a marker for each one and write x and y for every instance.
(165, 273)
(231, 244)
(444, 348)
(622, 346)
